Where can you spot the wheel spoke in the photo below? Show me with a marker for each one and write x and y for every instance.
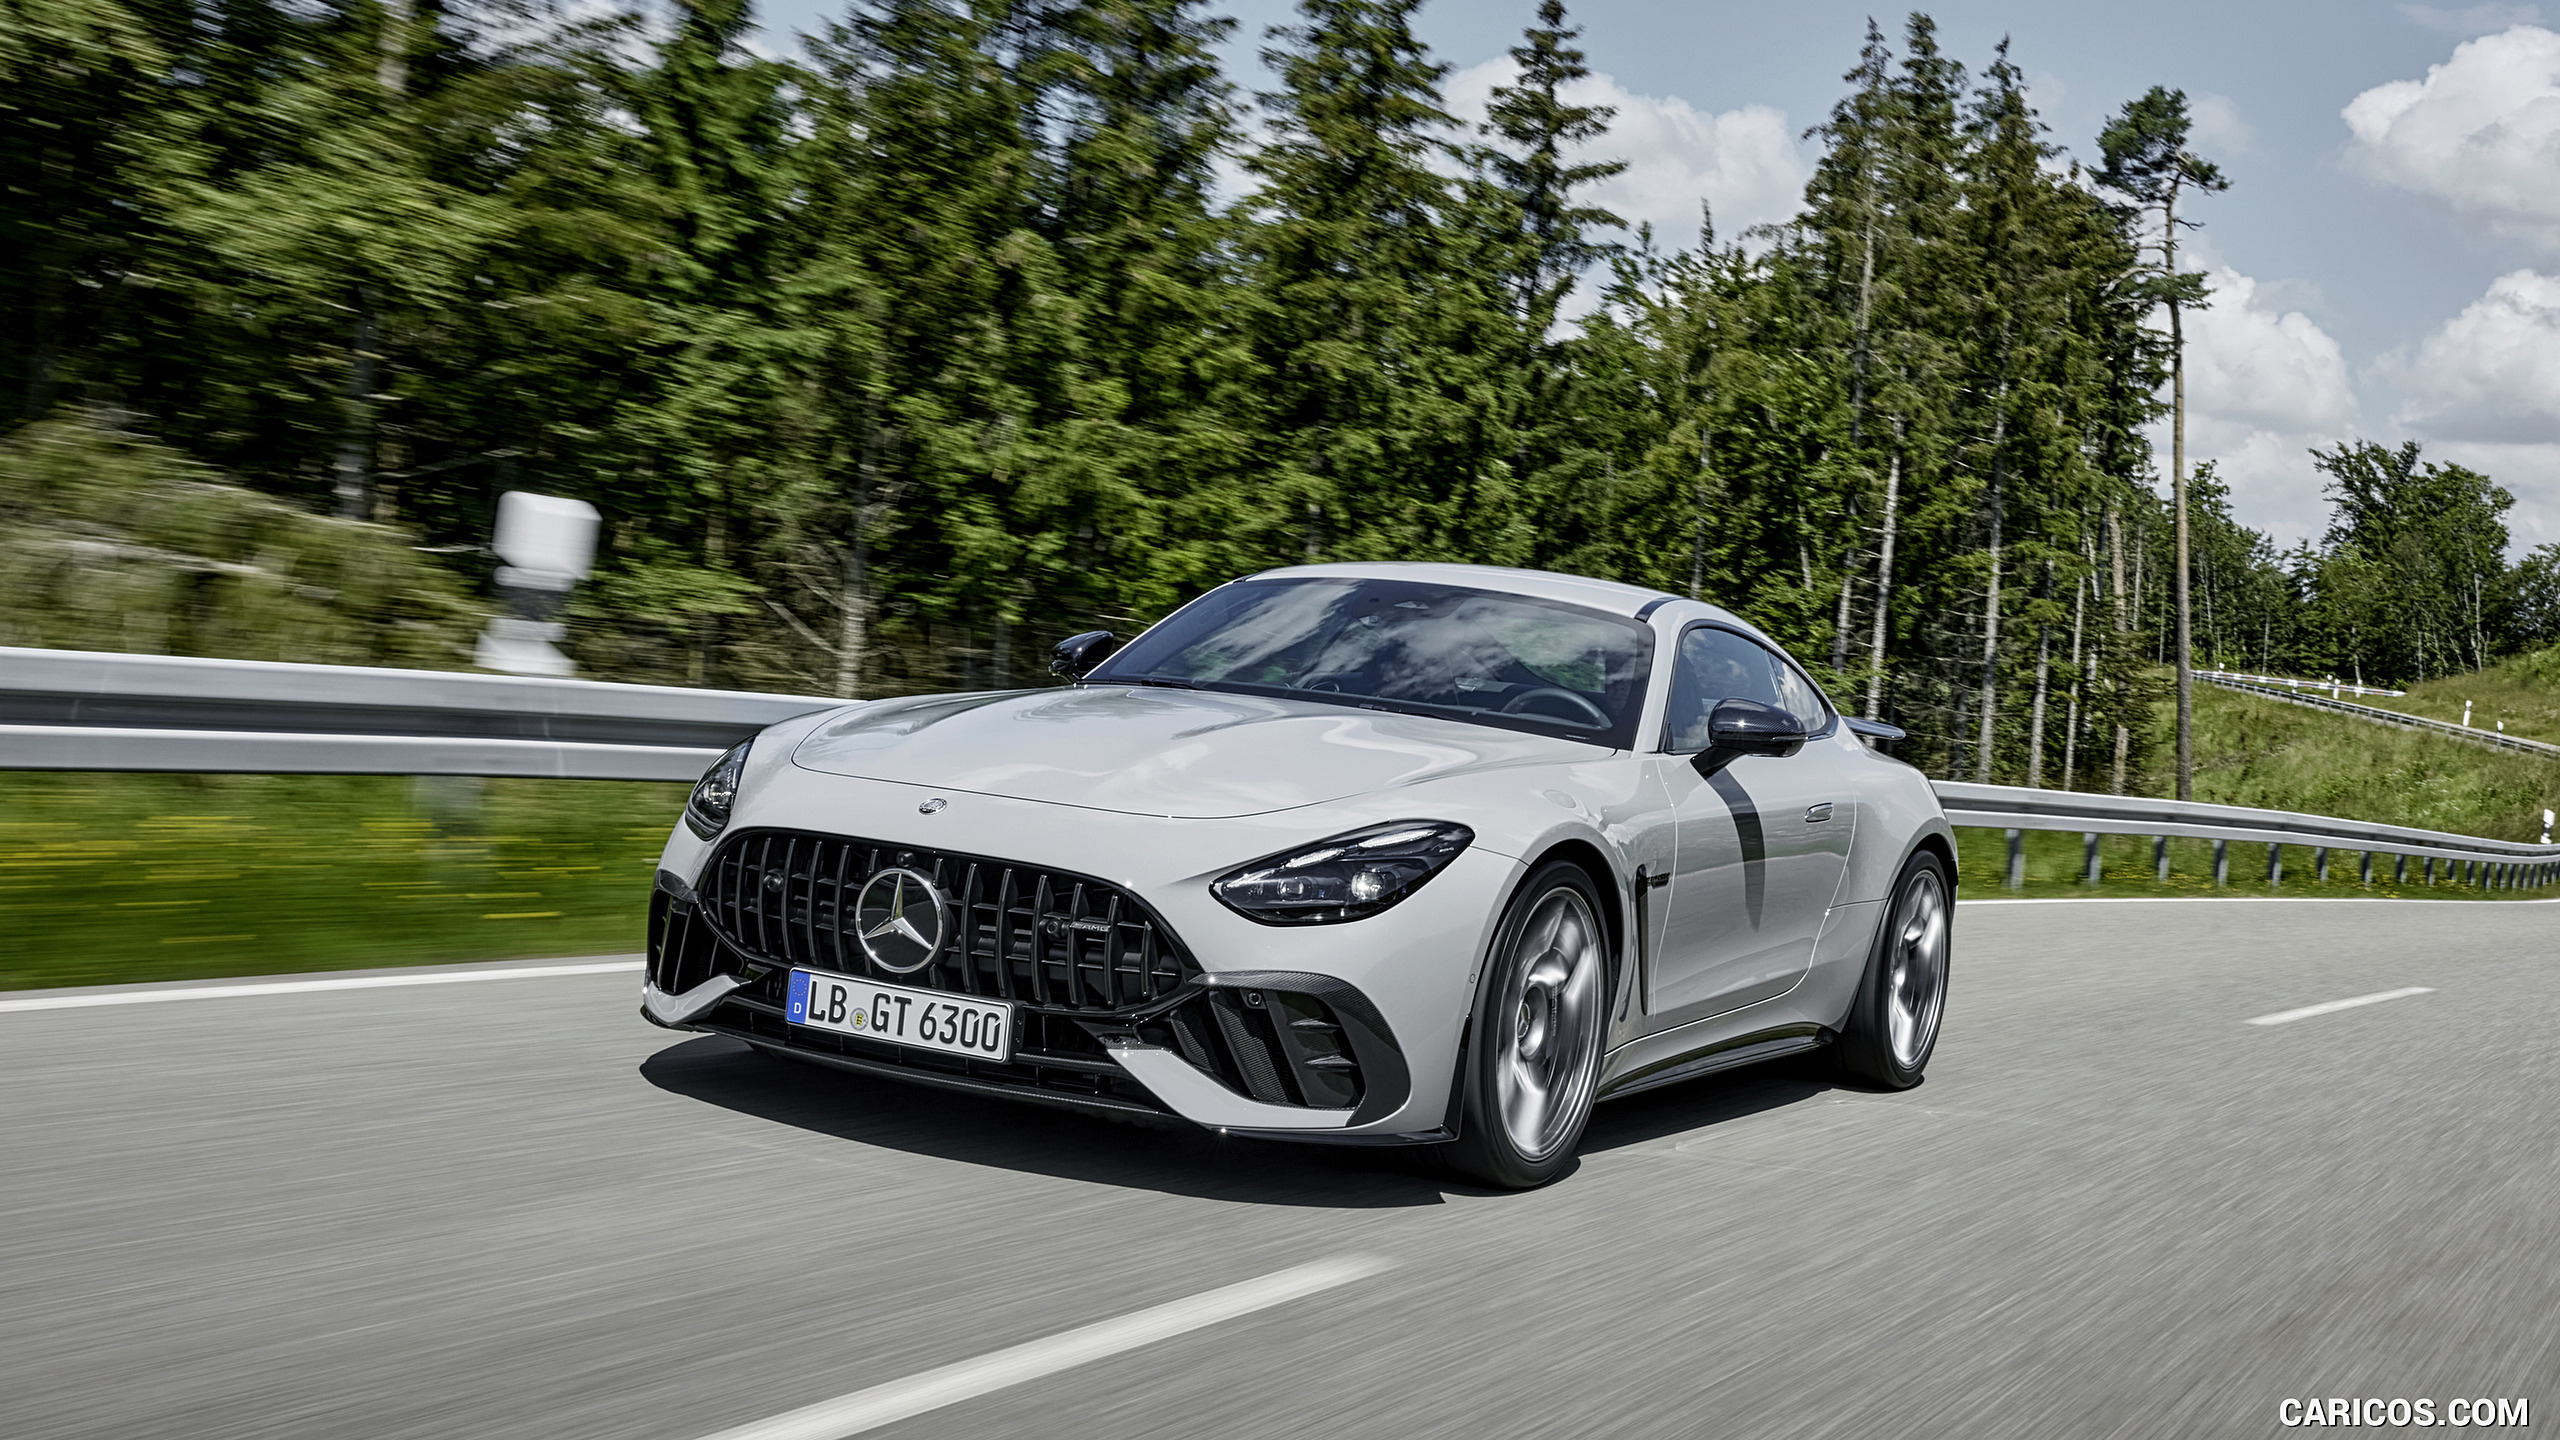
(1547, 1064)
(1916, 968)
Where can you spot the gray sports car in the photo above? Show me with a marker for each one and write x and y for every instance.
(1393, 854)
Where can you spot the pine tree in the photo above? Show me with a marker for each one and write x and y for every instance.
(2147, 160)
(1525, 220)
(959, 349)
(1372, 333)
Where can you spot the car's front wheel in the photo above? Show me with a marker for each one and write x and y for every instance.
(1533, 1059)
(1893, 1025)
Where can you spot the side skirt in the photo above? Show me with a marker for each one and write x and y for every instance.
(1729, 1054)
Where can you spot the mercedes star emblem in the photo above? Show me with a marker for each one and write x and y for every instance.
(901, 918)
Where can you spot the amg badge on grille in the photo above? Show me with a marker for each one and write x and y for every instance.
(902, 917)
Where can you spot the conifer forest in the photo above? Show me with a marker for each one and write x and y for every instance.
(976, 323)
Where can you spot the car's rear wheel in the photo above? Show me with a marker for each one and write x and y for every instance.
(1893, 1024)
(1533, 1058)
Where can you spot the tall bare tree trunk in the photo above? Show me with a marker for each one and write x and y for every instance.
(2178, 490)
(1991, 601)
(2124, 622)
(2035, 720)
(1698, 535)
(354, 467)
(1840, 621)
(1884, 580)
(853, 623)
(2071, 722)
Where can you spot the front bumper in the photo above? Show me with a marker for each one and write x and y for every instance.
(1411, 967)
(1295, 1055)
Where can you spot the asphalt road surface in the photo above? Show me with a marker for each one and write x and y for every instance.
(510, 1208)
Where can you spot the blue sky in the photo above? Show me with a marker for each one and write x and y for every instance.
(2386, 264)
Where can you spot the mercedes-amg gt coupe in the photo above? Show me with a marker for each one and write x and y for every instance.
(1392, 854)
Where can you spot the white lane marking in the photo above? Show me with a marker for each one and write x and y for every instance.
(886, 1404)
(296, 987)
(2283, 1017)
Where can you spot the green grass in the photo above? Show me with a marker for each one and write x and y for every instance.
(112, 878)
(2265, 753)
(2523, 691)
(2262, 752)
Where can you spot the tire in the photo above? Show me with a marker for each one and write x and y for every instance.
(1893, 1023)
(1532, 1063)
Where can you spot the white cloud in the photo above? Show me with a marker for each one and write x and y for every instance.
(2492, 373)
(2250, 362)
(2218, 128)
(2481, 133)
(2531, 473)
(1745, 162)
(2265, 384)
(2472, 19)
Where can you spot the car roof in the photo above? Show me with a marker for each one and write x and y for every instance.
(1604, 595)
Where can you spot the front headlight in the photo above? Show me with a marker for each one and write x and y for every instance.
(706, 812)
(1349, 877)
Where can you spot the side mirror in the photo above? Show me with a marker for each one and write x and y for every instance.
(1076, 655)
(1736, 728)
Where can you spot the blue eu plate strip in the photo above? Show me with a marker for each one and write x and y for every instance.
(798, 1012)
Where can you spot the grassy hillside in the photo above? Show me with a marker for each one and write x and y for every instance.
(2524, 692)
(2254, 751)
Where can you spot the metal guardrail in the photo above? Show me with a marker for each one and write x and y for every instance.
(2495, 738)
(85, 710)
(82, 710)
(2333, 685)
(2011, 806)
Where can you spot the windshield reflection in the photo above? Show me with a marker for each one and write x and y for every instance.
(1475, 655)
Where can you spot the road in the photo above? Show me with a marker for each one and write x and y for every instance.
(2115, 1209)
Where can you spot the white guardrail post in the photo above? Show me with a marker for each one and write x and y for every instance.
(83, 710)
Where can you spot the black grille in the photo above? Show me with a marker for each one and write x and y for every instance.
(1048, 938)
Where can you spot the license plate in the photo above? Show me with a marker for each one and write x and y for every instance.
(926, 1019)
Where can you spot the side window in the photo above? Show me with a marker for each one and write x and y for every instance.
(1718, 665)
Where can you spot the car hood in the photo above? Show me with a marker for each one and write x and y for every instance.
(1178, 753)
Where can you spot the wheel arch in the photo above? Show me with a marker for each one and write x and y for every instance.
(1604, 876)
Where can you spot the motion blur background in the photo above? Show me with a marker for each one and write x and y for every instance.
(895, 343)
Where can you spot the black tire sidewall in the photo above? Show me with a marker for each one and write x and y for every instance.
(1866, 1046)
(1484, 1149)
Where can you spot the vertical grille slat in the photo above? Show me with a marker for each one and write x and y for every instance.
(1004, 934)
(1076, 986)
(845, 917)
(1054, 939)
(1111, 953)
(754, 878)
(729, 871)
(809, 916)
(1039, 945)
(968, 937)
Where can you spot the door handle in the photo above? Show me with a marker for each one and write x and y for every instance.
(1816, 814)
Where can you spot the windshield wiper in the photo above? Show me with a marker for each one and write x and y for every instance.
(1161, 684)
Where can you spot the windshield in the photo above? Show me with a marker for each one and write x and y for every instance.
(1506, 660)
